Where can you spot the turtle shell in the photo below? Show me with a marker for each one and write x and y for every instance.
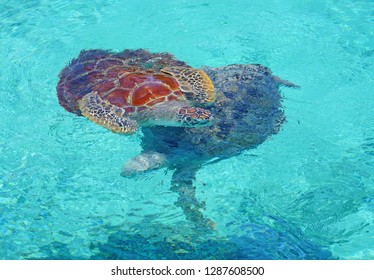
(134, 90)
(130, 79)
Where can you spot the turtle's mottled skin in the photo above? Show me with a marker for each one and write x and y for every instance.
(247, 111)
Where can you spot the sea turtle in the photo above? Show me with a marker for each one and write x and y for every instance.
(246, 112)
(121, 91)
(245, 103)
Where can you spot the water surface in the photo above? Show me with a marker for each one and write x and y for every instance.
(306, 193)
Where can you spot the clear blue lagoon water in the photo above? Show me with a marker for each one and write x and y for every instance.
(306, 193)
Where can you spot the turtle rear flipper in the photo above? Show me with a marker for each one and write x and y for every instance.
(286, 83)
(105, 114)
(195, 82)
(144, 162)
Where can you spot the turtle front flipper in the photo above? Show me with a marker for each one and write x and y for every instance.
(100, 111)
(194, 82)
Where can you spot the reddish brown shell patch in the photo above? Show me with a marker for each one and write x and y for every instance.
(129, 79)
(172, 97)
(119, 97)
(137, 88)
(171, 82)
(132, 80)
(158, 100)
(148, 92)
(105, 86)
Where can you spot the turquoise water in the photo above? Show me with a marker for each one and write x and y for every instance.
(306, 193)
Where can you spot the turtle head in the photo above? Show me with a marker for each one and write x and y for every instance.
(176, 113)
(194, 117)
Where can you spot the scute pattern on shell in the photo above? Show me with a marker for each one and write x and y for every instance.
(87, 72)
